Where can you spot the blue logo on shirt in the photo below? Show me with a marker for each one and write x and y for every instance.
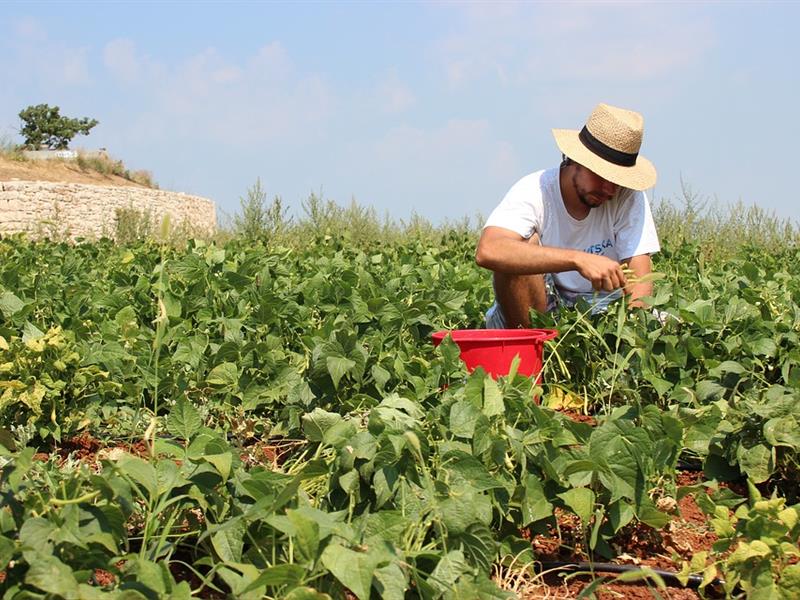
(599, 248)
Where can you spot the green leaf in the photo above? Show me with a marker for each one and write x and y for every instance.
(470, 471)
(479, 546)
(756, 462)
(222, 463)
(229, 540)
(49, 574)
(707, 390)
(478, 587)
(492, 398)
(661, 386)
(141, 472)
(762, 346)
(190, 351)
(463, 416)
(31, 332)
(789, 583)
(648, 514)
(354, 570)
(318, 422)
(380, 375)
(728, 366)
(151, 575)
(172, 304)
(644, 573)
(108, 354)
(338, 366)
(622, 448)
(7, 551)
(225, 374)
(36, 533)
(306, 535)
(306, 593)
(10, 304)
(535, 505)
(580, 501)
(279, 575)
(451, 353)
(620, 514)
(782, 431)
(463, 508)
(390, 582)
(184, 419)
(449, 568)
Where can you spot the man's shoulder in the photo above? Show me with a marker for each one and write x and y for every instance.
(539, 182)
(628, 201)
(523, 207)
(542, 175)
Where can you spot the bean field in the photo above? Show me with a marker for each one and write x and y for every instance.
(263, 418)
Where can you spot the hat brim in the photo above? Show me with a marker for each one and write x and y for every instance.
(641, 176)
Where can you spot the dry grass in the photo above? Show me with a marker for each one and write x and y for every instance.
(102, 163)
(525, 583)
(94, 163)
(10, 150)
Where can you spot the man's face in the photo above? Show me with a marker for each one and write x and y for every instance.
(592, 190)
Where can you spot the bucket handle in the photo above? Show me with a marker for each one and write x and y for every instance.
(548, 334)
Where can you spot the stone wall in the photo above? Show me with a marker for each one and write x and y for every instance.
(72, 210)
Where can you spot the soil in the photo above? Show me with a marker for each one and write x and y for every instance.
(89, 450)
(57, 170)
(640, 545)
(579, 417)
(271, 453)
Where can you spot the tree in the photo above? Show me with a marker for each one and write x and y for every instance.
(44, 127)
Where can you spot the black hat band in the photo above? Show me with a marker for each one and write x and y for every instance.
(623, 159)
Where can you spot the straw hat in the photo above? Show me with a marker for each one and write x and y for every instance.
(609, 146)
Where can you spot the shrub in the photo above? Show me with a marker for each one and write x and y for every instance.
(259, 218)
(131, 225)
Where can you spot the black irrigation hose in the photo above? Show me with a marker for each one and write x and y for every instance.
(693, 466)
(668, 576)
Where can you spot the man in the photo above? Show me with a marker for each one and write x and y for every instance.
(565, 233)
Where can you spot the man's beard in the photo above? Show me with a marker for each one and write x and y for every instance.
(582, 196)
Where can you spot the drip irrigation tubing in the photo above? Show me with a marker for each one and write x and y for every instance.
(580, 566)
(693, 466)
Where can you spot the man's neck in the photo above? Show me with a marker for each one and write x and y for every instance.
(576, 209)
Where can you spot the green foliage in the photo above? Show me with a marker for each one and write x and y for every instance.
(258, 218)
(324, 222)
(132, 225)
(718, 231)
(760, 543)
(395, 473)
(44, 127)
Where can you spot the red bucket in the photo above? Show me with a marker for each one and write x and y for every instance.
(495, 349)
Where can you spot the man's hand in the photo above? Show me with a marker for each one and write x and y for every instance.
(604, 273)
(641, 266)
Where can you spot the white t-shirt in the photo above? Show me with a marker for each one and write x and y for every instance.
(620, 228)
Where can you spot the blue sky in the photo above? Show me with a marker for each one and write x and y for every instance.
(434, 108)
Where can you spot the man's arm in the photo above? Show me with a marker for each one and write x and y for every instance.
(640, 265)
(506, 251)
